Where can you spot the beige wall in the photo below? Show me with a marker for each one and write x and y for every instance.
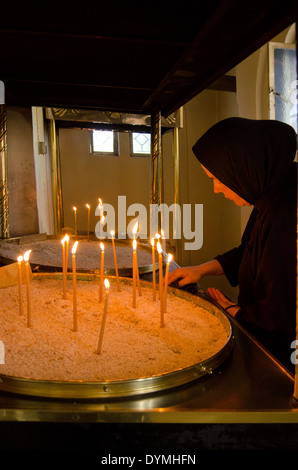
(87, 177)
(21, 173)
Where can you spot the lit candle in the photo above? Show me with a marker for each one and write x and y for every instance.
(26, 259)
(153, 267)
(74, 286)
(115, 260)
(103, 321)
(134, 272)
(100, 207)
(75, 219)
(101, 272)
(63, 267)
(66, 253)
(160, 285)
(166, 281)
(65, 248)
(88, 223)
(20, 261)
(134, 231)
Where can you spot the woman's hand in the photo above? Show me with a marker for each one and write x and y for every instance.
(220, 298)
(192, 274)
(184, 276)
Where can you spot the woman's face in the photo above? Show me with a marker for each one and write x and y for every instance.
(227, 192)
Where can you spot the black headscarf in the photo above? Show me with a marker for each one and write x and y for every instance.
(248, 156)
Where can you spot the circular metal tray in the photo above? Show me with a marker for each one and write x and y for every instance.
(124, 271)
(124, 388)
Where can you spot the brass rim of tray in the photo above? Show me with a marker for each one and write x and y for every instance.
(123, 388)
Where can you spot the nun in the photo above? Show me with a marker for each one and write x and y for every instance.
(252, 163)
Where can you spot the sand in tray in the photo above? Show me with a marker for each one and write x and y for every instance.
(134, 344)
(49, 253)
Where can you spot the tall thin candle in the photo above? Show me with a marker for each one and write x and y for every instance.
(20, 262)
(135, 229)
(26, 259)
(166, 282)
(63, 266)
(134, 272)
(161, 300)
(153, 269)
(103, 321)
(74, 286)
(115, 260)
(75, 219)
(66, 253)
(101, 272)
(88, 221)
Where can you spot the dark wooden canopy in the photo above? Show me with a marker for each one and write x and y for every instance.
(129, 56)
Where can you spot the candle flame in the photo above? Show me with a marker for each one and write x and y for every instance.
(102, 246)
(74, 208)
(66, 238)
(63, 240)
(26, 255)
(20, 259)
(135, 228)
(152, 241)
(99, 201)
(159, 248)
(74, 248)
(87, 205)
(134, 244)
(162, 233)
(170, 258)
(106, 283)
(112, 233)
(157, 235)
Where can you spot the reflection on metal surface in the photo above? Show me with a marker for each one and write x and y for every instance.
(4, 210)
(124, 388)
(56, 177)
(111, 117)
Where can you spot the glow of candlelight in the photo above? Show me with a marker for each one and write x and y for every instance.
(26, 256)
(135, 229)
(107, 284)
(74, 248)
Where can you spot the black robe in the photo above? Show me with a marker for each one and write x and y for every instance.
(255, 160)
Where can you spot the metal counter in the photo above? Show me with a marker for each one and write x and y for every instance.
(250, 388)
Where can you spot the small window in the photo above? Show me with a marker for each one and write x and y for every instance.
(104, 142)
(140, 143)
(283, 83)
